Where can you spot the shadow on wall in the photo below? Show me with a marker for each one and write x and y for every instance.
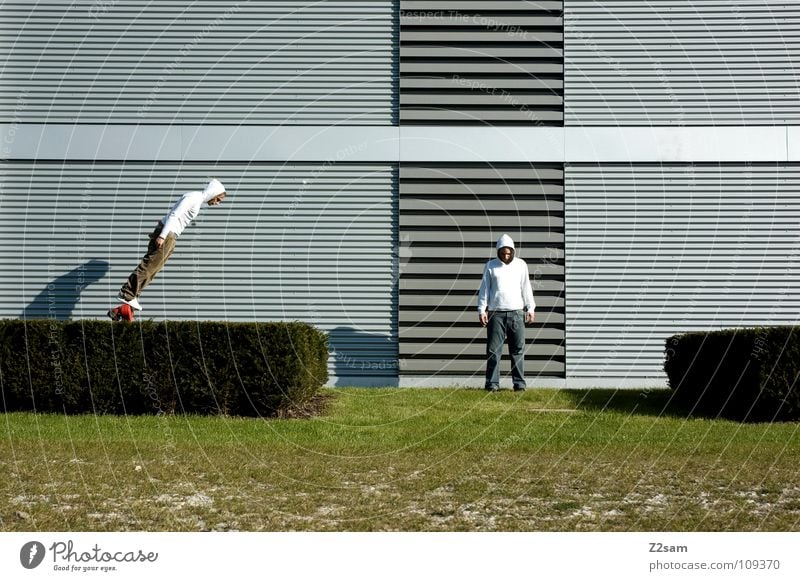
(58, 299)
(363, 359)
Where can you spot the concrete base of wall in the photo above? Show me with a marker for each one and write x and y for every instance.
(357, 381)
(477, 382)
(539, 382)
(617, 383)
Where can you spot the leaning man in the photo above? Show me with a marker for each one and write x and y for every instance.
(162, 243)
(505, 304)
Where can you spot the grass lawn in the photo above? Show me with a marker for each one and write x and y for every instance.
(409, 460)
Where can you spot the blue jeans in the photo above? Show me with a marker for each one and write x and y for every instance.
(505, 325)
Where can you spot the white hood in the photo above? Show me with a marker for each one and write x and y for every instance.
(213, 189)
(505, 241)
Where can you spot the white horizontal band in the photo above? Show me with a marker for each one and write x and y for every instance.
(399, 144)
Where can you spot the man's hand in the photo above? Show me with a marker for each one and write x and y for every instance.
(529, 317)
(159, 242)
(483, 318)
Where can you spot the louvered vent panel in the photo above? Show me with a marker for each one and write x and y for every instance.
(481, 62)
(450, 217)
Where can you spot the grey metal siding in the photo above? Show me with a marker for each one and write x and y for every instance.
(310, 242)
(450, 217)
(672, 62)
(185, 61)
(656, 250)
(481, 62)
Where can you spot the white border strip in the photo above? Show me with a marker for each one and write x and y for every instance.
(199, 143)
(394, 556)
(403, 144)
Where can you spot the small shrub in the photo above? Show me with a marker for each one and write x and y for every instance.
(146, 367)
(740, 374)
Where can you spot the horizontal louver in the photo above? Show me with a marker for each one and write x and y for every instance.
(657, 250)
(720, 62)
(293, 62)
(303, 242)
(450, 216)
(481, 62)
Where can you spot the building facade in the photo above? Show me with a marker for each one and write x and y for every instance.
(644, 156)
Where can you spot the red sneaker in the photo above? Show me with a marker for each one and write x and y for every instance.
(121, 313)
(126, 312)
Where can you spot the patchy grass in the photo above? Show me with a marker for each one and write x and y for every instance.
(406, 459)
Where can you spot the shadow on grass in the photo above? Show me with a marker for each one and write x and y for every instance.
(646, 402)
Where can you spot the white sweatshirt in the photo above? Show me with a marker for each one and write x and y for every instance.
(187, 207)
(505, 287)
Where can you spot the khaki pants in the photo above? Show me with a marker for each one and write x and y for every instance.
(151, 264)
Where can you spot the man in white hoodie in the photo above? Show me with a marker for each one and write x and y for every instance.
(505, 304)
(161, 246)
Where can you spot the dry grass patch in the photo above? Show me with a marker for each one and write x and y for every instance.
(399, 459)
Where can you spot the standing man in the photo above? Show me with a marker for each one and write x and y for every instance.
(162, 243)
(506, 293)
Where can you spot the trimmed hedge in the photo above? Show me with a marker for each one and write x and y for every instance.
(740, 374)
(247, 369)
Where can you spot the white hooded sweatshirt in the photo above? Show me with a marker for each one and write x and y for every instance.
(505, 287)
(187, 207)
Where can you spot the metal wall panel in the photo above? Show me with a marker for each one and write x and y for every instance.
(310, 242)
(187, 61)
(451, 214)
(481, 62)
(671, 62)
(656, 250)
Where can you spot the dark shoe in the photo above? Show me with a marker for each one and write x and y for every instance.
(491, 389)
(519, 389)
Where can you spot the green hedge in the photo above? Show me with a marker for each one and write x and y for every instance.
(740, 374)
(146, 367)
